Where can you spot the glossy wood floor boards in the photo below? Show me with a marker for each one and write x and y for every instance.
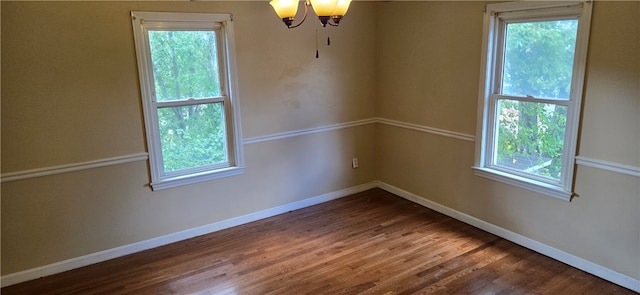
(368, 243)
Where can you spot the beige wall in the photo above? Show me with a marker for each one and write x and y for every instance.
(430, 68)
(611, 124)
(70, 94)
(429, 63)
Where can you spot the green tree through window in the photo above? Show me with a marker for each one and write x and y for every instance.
(185, 64)
(185, 67)
(538, 62)
(533, 66)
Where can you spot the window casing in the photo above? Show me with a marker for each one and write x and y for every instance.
(532, 76)
(186, 66)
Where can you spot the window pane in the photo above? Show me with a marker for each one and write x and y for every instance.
(530, 137)
(185, 64)
(538, 58)
(192, 136)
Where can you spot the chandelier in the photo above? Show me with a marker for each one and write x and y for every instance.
(328, 11)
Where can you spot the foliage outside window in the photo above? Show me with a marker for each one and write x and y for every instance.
(530, 94)
(186, 69)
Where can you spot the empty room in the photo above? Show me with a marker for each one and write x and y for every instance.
(320, 147)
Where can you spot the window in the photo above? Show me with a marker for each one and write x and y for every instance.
(186, 66)
(532, 77)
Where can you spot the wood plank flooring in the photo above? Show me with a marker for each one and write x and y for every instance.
(368, 243)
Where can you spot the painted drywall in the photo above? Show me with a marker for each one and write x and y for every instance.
(71, 94)
(431, 64)
(611, 124)
(71, 66)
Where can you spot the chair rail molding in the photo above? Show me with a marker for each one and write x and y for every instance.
(427, 129)
(294, 133)
(608, 165)
(32, 173)
(52, 170)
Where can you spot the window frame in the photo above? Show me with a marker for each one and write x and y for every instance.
(496, 18)
(221, 24)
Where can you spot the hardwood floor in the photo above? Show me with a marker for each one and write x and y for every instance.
(368, 243)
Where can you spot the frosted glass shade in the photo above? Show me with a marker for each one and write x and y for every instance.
(324, 7)
(285, 8)
(342, 7)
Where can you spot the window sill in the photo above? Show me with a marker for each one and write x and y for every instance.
(172, 182)
(525, 183)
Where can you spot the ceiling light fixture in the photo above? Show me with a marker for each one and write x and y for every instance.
(328, 11)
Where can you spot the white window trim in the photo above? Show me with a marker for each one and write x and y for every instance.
(492, 19)
(141, 22)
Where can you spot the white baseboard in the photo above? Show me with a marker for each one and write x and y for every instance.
(105, 255)
(577, 262)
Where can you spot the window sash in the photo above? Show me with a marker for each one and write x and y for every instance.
(215, 71)
(499, 49)
(196, 169)
(497, 17)
(143, 22)
(180, 27)
(216, 27)
(189, 102)
(503, 20)
(492, 138)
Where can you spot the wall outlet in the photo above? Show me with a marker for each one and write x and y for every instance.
(354, 163)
